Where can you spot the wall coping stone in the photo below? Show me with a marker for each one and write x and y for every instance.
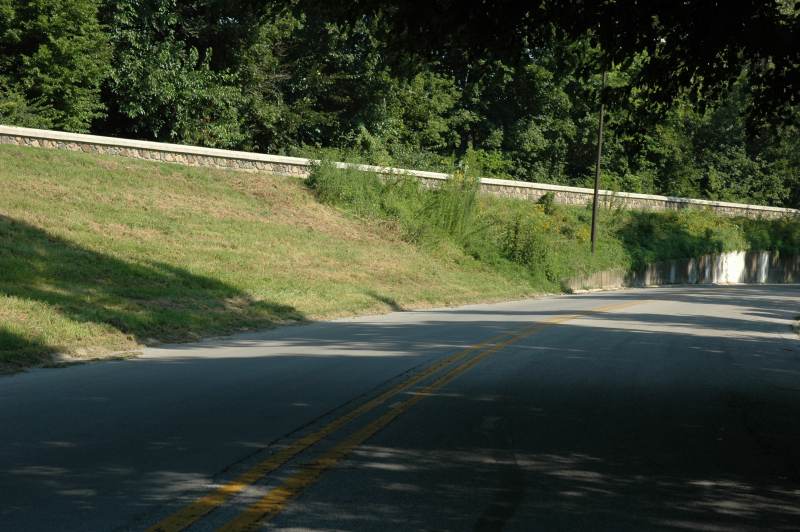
(44, 134)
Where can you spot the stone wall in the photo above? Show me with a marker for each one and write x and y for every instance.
(300, 167)
(738, 267)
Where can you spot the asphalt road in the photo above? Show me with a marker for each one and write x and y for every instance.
(659, 409)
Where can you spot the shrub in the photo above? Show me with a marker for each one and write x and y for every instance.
(547, 202)
(544, 242)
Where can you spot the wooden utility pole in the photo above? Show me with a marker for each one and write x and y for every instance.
(597, 166)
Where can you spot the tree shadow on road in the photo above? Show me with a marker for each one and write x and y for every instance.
(684, 429)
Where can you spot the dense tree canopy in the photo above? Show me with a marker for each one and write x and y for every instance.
(703, 94)
(700, 45)
(53, 57)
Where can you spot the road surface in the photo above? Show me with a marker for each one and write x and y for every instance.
(657, 409)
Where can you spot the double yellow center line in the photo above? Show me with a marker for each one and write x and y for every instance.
(276, 499)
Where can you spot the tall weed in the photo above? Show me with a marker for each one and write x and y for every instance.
(544, 242)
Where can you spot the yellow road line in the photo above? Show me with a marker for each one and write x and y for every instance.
(189, 514)
(276, 499)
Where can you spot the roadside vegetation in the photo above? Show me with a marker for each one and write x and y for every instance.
(416, 85)
(99, 254)
(546, 242)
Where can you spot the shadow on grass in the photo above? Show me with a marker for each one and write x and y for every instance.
(147, 301)
(386, 300)
(17, 352)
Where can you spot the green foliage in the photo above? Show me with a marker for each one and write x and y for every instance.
(425, 216)
(263, 76)
(163, 87)
(452, 207)
(285, 77)
(551, 246)
(547, 201)
(54, 56)
(548, 244)
(652, 237)
(782, 235)
(362, 192)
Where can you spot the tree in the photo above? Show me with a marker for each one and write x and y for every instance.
(54, 55)
(162, 87)
(700, 45)
(508, 89)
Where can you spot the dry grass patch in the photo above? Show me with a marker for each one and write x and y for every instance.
(101, 255)
(287, 203)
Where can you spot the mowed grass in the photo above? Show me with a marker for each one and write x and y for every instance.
(100, 254)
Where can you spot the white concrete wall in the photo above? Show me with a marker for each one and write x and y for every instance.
(736, 267)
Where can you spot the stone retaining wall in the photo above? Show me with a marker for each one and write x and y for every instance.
(300, 167)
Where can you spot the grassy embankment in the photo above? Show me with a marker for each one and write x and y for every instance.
(99, 255)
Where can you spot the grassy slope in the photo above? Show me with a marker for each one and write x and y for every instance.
(101, 254)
